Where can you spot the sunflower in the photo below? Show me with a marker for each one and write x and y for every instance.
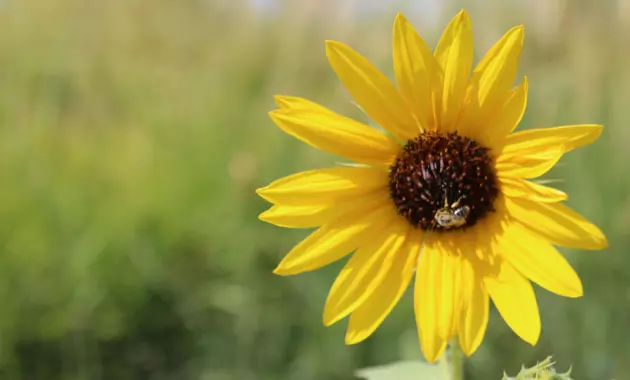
(444, 196)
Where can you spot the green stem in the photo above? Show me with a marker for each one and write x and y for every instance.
(444, 368)
(457, 360)
(452, 362)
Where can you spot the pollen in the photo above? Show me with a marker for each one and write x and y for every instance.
(437, 171)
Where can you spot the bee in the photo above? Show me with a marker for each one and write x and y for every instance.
(452, 216)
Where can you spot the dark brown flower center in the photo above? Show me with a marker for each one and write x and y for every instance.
(443, 182)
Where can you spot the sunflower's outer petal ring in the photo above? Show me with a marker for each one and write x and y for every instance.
(473, 319)
(556, 223)
(515, 300)
(527, 163)
(331, 242)
(367, 317)
(567, 137)
(365, 271)
(324, 186)
(505, 120)
(338, 135)
(537, 260)
(437, 298)
(374, 92)
(454, 54)
(492, 79)
(515, 187)
(417, 72)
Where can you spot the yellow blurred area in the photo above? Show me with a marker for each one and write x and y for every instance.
(134, 132)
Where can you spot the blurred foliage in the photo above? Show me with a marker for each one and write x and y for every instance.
(134, 132)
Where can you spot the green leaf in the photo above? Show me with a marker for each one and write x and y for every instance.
(404, 370)
(541, 371)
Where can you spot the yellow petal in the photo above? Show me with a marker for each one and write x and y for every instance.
(528, 164)
(520, 188)
(497, 69)
(473, 320)
(310, 216)
(506, 119)
(364, 272)
(367, 317)
(335, 240)
(324, 186)
(437, 296)
(556, 223)
(454, 54)
(297, 103)
(417, 72)
(492, 79)
(514, 298)
(337, 135)
(299, 216)
(374, 92)
(568, 137)
(537, 260)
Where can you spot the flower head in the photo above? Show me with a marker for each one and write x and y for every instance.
(446, 196)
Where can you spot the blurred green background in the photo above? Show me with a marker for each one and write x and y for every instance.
(133, 134)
